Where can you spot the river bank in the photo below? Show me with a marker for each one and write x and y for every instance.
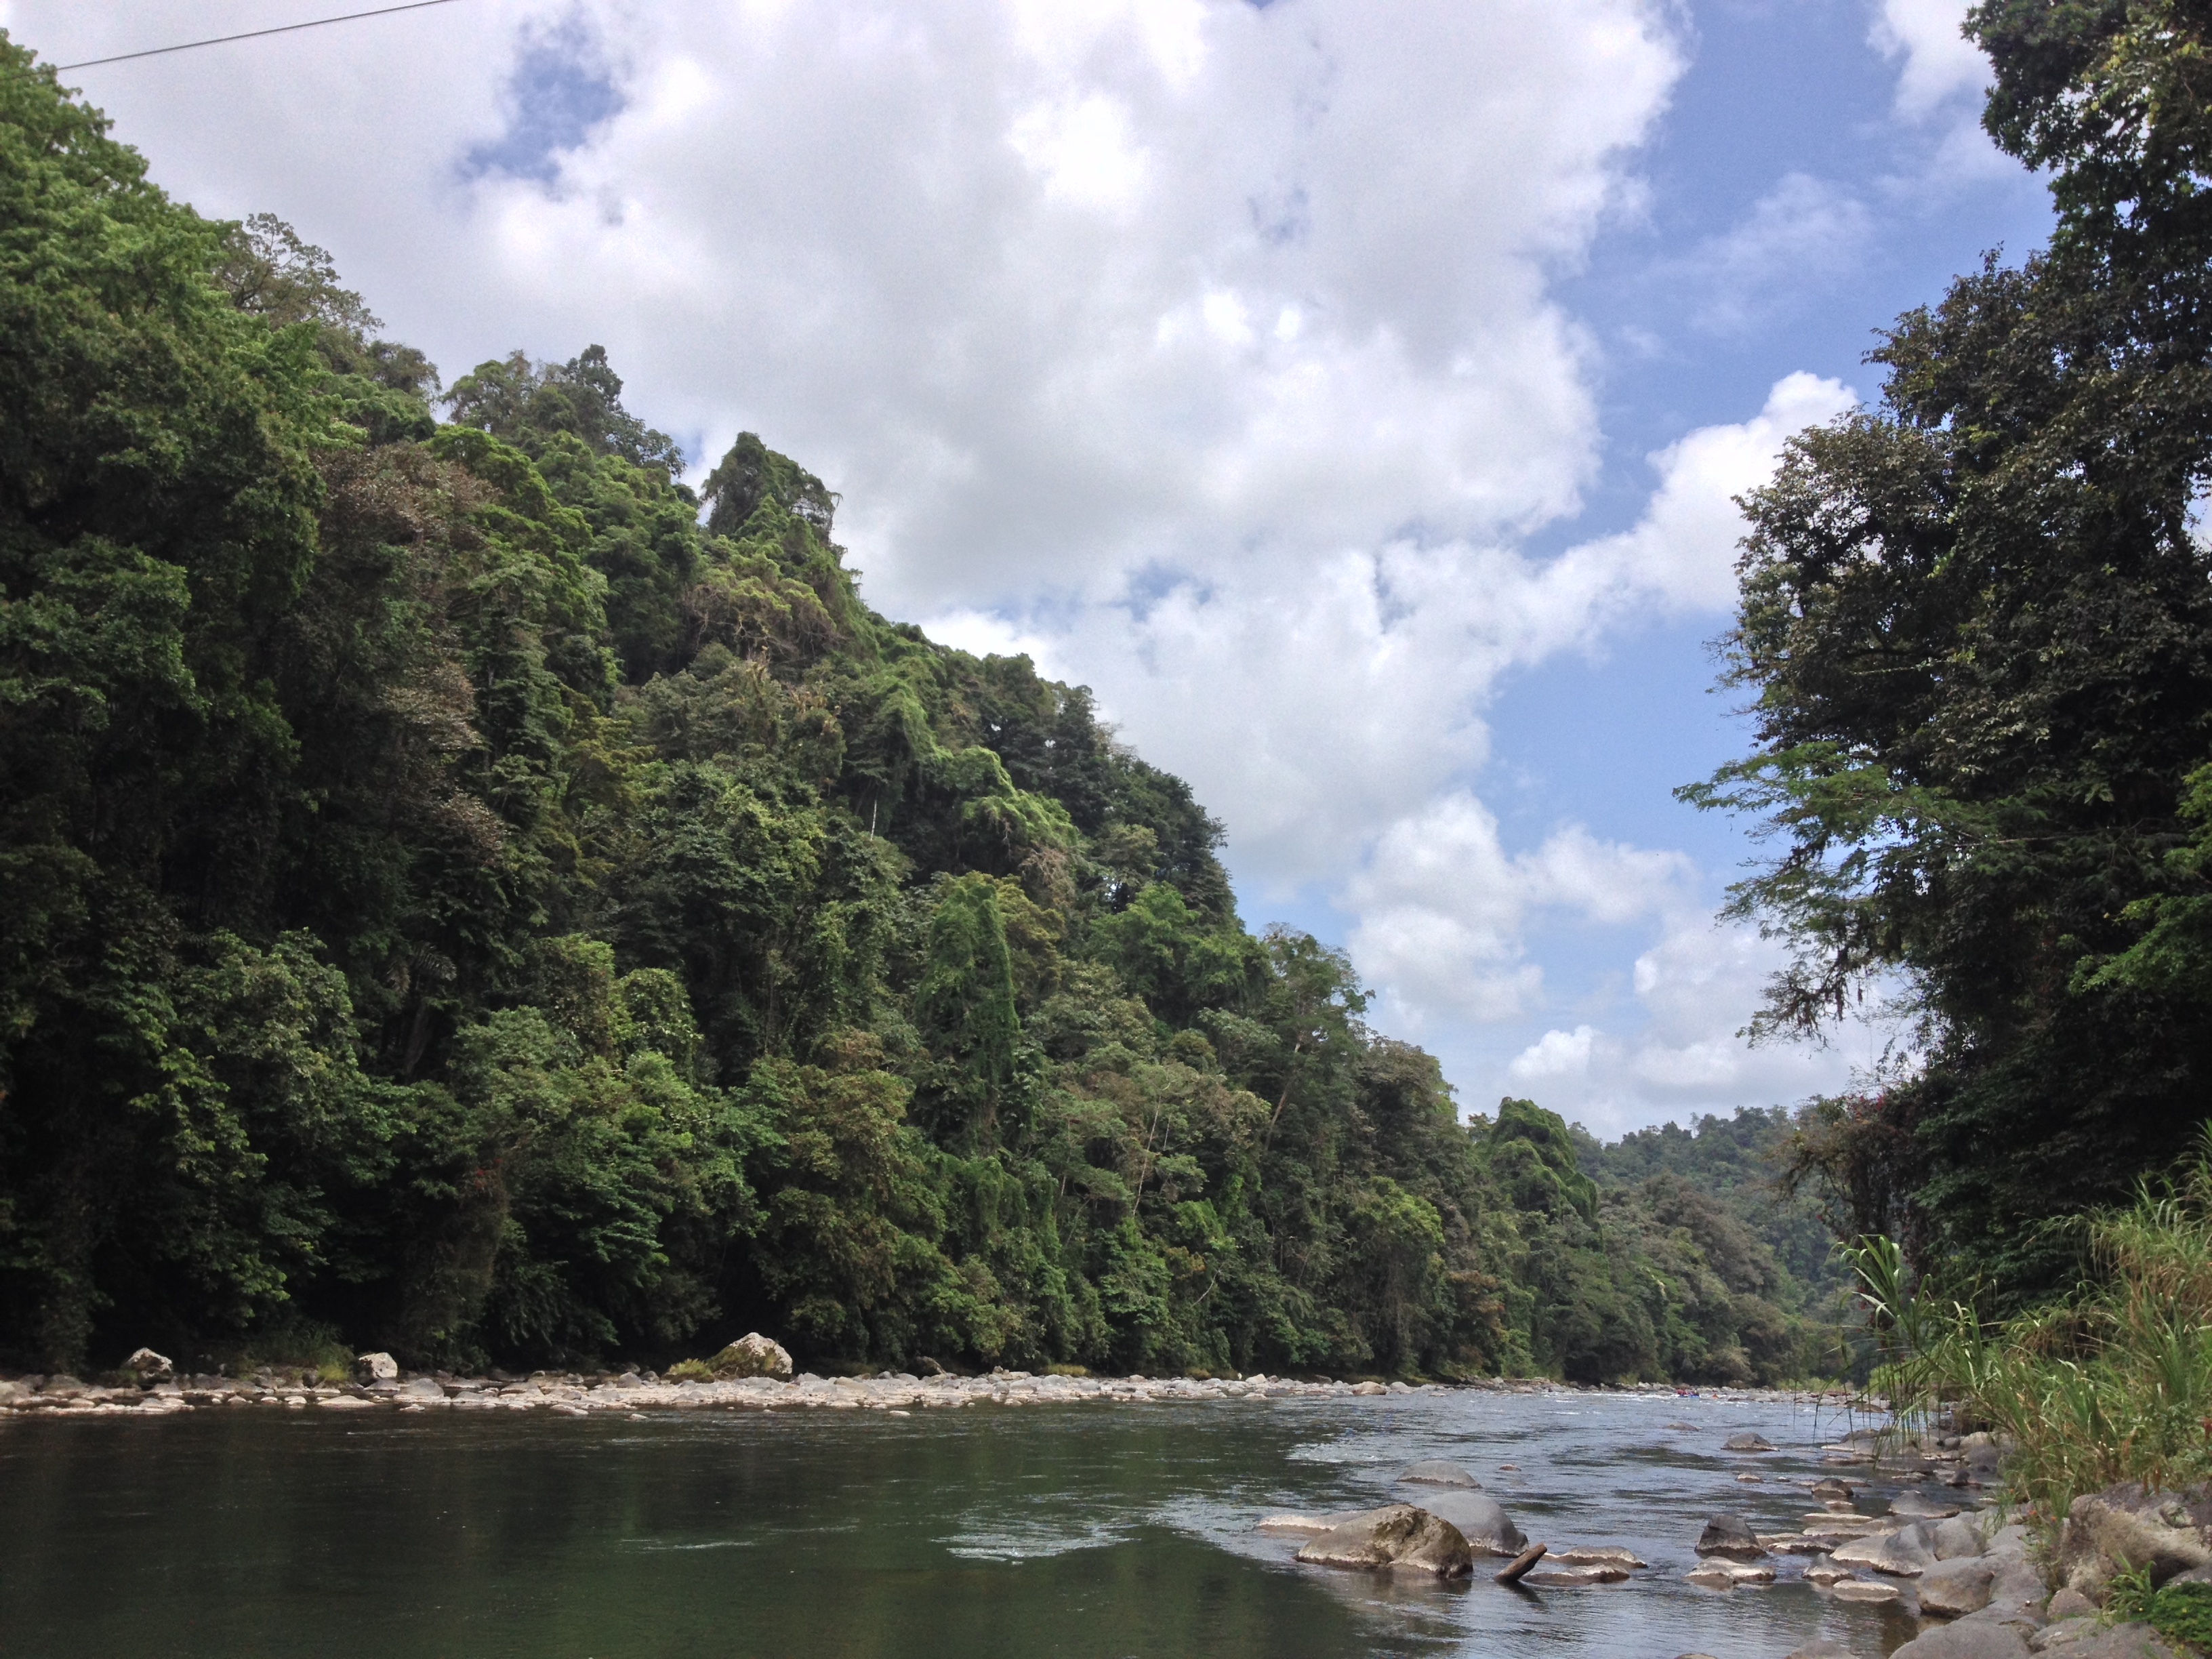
(576, 1395)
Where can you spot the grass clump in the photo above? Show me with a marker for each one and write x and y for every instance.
(2180, 1613)
(689, 1370)
(2112, 1384)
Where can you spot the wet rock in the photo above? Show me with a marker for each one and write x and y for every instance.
(1827, 1572)
(1599, 1555)
(1397, 1535)
(1829, 1486)
(1966, 1641)
(1302, 1526)
(150, 1367)
(1684, 1428)
(1720, 1573)
(2164, 1531)
(753, 1355)
(1751, 1479)
(1481, 1520)
(1901, 1554)
(1864, 1590)
(1574, 1577)
(1819, 1648)
(1747, 1443)
(375, 1368)
(1730, 1535)
(1952, 1588)
(1434, 1472)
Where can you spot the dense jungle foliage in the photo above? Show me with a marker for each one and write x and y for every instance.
(461, 891)
(1976, 624)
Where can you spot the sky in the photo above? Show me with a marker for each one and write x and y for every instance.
(1354, 395)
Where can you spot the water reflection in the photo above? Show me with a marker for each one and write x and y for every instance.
(1082, 1530)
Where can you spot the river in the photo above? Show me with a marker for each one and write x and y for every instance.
(1091, 1531)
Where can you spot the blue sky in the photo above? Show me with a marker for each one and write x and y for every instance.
(1352, 395)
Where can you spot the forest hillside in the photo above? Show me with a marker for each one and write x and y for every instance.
(464, 891)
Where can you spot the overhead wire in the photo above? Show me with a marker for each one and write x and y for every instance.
(252, 35)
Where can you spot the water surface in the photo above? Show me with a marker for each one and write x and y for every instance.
(1091, 1531)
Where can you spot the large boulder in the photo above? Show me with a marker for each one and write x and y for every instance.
(1394, 1536)
(1730, 1535)
(373, 1368)
(1747, 1443)
(2126, 1528)
(1434, 1472)
(1950, 1590)
(753, 1355)
(1966, 1641)
(1481, 1520)
(1955, 1537)
(2093, 1638)
(150, 1367)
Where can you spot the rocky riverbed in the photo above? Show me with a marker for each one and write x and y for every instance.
(571, 1393)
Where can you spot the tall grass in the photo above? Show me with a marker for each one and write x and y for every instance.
(2113, 1384)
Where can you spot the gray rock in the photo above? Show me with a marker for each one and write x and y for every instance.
(1954, 1538)
(753, 1355)
(1730, 1535)
(1718, 1572)
(1819, 1648)
(2093, 1638)
(2071, 1604)
(1865, 1589)
(2168, 1531)
(1829, 1486)
(1481, 1520)
(1398, 1536)
(1966, 1641)
(1434, 1472)
(1301, 1526)
(150, 1367)
(1913, 1507)
(422, 1387)
(376, 1368)
(1574, 1577)
(1901, 1554)
(1599, 1555)
(1951, 1590)
(1747, 1443)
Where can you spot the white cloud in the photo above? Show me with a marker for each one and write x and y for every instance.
(1207, 352)
(1677, 1050)
(1940, 62)
(1443, 910)
(1803, 236)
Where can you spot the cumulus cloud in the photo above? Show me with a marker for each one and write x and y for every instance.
(1676, 1047)
(1939, 63)
(1443, 910)
(1206, 351)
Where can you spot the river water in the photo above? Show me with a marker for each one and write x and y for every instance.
(1092, 1531)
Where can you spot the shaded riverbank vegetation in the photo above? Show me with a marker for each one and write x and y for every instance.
(465, 893)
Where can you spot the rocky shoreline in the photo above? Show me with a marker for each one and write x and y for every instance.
(154, 1389)
(576, 1395)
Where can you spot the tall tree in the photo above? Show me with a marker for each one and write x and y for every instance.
(1977, 623)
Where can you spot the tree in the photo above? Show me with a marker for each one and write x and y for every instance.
(1978, 629)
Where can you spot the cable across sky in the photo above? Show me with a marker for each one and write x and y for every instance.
(252, 34)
